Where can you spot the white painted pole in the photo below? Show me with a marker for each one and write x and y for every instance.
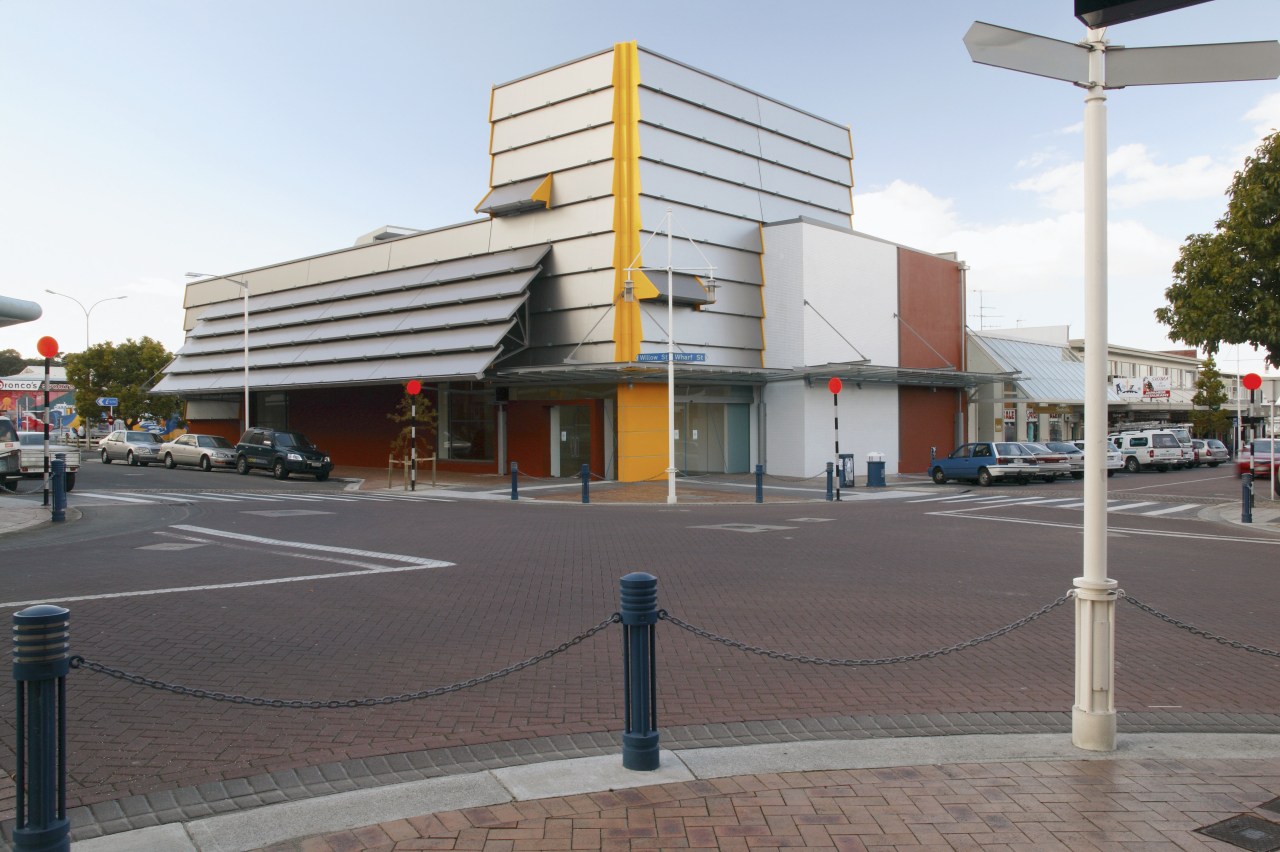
(1093, 722)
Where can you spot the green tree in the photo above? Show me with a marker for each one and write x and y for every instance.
(11, 362)
(1209, 419)
(426, 430)
(1227, 284)
(126, 371)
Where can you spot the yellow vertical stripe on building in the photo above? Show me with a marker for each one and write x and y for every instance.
(627, 328)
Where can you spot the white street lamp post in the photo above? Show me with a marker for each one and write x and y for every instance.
(87, 310)
(671, 346)
(245, 287)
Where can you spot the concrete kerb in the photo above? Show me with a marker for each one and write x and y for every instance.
(249, 830)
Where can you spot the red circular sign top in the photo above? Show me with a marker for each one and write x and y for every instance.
(835, 384)
(48, 347)
(414, 387)
(1251, 381)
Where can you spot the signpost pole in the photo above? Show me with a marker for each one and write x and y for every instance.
(671, 371)
(834, 385)
(1093, 721)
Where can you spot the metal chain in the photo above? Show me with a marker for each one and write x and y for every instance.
(81, 662)
(1197, 631)
(884, 661)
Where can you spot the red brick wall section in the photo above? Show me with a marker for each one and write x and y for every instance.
(931, 304)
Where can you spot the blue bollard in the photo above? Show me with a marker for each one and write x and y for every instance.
(515, 488)
(759, 483)
(41, 660)
(58, 475)
(639, 672)
(831, 495)
(586, 483)
(1246, 498)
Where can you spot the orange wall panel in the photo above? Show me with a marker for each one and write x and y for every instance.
(642, 432)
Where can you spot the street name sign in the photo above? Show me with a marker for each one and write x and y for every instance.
(107, 401)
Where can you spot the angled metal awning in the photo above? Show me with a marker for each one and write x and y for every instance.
(686, 289)
(711, 374)
(446, 320)
(520, 197)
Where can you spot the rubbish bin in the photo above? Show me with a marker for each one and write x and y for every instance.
(875, 470)
(846, 470)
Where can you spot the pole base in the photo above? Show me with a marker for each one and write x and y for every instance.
(1093, 731)
(640, 752)
(56, 837)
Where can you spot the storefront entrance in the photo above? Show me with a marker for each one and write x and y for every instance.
(570, 439)
(712, 438)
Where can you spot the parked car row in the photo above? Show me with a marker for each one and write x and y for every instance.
(1260, 457)
(280, 451)
(986, 462)
(32, 457)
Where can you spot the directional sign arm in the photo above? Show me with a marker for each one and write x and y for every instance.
(1192, 63)
(1018, 51)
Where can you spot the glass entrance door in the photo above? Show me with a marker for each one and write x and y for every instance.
(570, 439)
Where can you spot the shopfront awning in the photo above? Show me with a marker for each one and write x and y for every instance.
(519, 197)
(443, 321)
(699, 373)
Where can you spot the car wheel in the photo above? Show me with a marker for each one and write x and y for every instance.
(984, 478)
(322, 476)
(1077, 474)
(205, 464)
(1050, 477)
(1131, 465)
(106, 459)
(1110, 474)
(169, 462)
(129, 459)
(939, 477)
(278, 471)
(242, 465)
(1214, 464)
(1163, 468)
(70, 481)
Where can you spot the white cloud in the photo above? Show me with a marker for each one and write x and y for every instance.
(1266, 115)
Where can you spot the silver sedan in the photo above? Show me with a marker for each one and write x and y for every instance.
(203, 451)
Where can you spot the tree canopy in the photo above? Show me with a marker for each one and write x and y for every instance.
(126, 371)
(1227, 284)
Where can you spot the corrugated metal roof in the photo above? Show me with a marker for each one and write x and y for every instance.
(1048, 373)
(445, 320)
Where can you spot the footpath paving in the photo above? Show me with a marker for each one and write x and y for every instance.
(989, 781)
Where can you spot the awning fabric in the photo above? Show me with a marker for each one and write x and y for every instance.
(519, 197)
(446, 320)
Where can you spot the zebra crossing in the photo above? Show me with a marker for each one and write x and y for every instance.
(1114, 506)
(136, 498)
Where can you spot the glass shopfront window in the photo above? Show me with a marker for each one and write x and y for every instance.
(467, 424)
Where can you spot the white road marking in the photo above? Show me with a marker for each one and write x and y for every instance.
(1124, 507)
(1126, 530)
(105, 496)
(1170, 509)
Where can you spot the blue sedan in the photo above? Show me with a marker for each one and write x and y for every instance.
(986, 461)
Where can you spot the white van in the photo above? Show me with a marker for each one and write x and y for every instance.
(1151, 448)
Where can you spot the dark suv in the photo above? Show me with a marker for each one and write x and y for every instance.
(281, 452)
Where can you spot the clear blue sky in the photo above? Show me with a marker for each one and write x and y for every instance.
(144, 139)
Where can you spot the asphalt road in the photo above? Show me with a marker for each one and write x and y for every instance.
(301, 590)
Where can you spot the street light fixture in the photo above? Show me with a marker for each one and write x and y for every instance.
(87, 310)
(244, 285)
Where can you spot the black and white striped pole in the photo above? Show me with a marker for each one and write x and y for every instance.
(834, 385)
(414, 387)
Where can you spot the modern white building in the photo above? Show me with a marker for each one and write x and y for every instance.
(633, 203)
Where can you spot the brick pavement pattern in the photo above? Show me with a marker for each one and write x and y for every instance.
(1065, 805)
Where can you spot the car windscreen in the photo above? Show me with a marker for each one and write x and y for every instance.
(142, 438)
(1060, 447)
(216, 441)
(32, 439)
(7, 432)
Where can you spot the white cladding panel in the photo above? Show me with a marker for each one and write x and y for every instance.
(784, 296)
(708, 225)
(804, 127)
(852, 281)
(778, 209)
(730, 264)
(801, 432)
(444, 244)
(696, 330)
(806, 188)
(661, 110)
(698, 87)
(584, 254)
(582, 184)
(675, 149)
(563, 152)
(681, 186)
(554, 120)
(557, 84)
(549, 226)
(805, 158)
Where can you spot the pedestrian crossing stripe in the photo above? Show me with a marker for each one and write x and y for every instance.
(152, 498)
(1116, 506)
